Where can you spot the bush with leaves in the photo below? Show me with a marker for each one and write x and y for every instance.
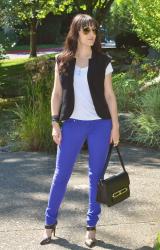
(35, 124)
(143, 68)
(157, 243)
(145, 125)
(2, 52)
(146, 20)
(137, 93)
(127, 92)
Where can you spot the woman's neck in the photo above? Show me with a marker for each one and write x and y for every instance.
(83, 53)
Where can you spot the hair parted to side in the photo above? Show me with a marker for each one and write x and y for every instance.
(71, 41)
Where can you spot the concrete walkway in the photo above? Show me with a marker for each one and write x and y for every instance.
(25, 179)
(25, 53)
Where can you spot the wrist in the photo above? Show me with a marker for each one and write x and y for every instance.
(55, 120)
(55, 123)
(115, 125)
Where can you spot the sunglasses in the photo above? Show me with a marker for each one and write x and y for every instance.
(86, 30)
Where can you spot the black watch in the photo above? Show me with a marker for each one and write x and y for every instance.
(55, 118)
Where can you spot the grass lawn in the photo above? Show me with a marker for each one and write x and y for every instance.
(12, 76)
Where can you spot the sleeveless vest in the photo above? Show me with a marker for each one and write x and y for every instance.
(95, 75)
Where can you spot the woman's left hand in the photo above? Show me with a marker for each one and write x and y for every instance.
(115, 136)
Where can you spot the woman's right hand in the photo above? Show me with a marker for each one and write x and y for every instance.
(56, 133)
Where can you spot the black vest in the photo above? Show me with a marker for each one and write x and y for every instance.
(96, 75)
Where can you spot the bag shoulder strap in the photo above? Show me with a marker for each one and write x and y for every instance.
(109, 156)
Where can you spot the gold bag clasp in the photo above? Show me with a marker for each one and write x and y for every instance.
(119, 192)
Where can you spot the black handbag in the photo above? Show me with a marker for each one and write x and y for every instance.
(115, 188)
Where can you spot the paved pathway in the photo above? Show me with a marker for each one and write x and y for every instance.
(26, 53)
(25, 179)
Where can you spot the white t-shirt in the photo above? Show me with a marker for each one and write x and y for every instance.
(83, 106)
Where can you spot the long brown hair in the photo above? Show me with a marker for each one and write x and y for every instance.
(71, 41)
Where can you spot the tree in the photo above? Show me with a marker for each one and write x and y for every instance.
(30, 12)
(96, 8)
(146, 20)
(119, 19)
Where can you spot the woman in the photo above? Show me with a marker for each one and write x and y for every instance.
(84, 101)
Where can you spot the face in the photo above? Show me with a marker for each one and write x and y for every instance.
(87, 35)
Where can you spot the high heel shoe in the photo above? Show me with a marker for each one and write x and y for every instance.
(90, 241)
(47, 240)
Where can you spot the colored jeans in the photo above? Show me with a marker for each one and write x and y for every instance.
(74, 133)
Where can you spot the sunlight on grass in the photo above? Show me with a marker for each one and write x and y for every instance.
(7, 102)
(9, 62)
(13, 75)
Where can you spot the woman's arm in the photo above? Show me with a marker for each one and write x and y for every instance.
(56, 99)
(112, 105)
(111, 99)
(56, 96)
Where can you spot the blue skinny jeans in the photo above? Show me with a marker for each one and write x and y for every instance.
(74, 133)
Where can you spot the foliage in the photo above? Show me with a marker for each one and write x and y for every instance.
(157, 244)
(137, 96)
(30, 12)
(40, 69)
(8, 121)
(146, 19)
(34, 126)
(120, 26)
(2, 52)
(7, 40)
(12, 77)
(143, 68)
(2, 15)
(126, 90)
(140, 16)
(119, 20)
(95, 8)
(34, 115)
(145, 124)
(150, 102)
(3, 40)
(26, 10)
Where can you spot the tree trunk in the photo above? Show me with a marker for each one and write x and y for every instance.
(33, 38)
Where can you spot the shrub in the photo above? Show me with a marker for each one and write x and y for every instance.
(2, 52)
(35, 124)
(35, 127)
(145, 126)
(151, 102)
(157, 244)
(143, 68)
(127, 91)
(6, 42)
